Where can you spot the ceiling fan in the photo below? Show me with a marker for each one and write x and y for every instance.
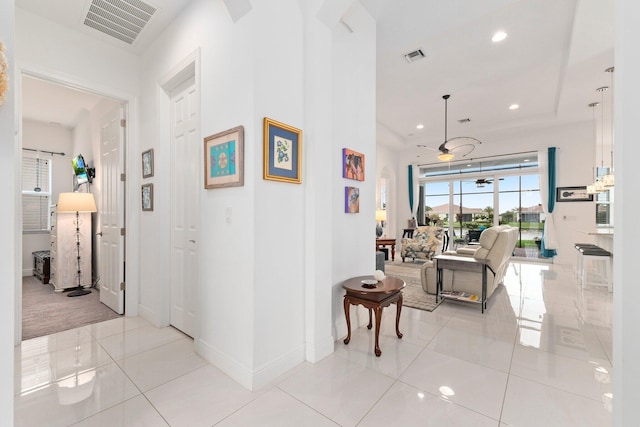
(446, 148)
(481, 182)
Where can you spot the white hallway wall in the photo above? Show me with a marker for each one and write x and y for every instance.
(256, 272)
(237, 85)
(626, 316)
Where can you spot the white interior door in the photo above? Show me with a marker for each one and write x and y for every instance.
(185, 161)
(111, 211)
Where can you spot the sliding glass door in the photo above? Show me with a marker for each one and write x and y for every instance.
(520, 206)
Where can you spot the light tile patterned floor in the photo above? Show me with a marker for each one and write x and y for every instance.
(540, 355)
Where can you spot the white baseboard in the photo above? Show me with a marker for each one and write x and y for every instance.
(265, 374)
(225, 363)
(251, 380)
(27, 272)
(150, 315)
(315, 353)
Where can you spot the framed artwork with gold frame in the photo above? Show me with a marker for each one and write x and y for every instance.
(282, 152)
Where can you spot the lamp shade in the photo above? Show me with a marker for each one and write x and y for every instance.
(381, 215)
(76, 202)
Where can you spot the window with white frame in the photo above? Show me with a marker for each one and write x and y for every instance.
(36, 193)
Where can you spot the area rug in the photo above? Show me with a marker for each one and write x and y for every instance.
(413, 295)
(46, 312)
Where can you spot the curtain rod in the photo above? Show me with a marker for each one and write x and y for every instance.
(43, 151)
(480, 158)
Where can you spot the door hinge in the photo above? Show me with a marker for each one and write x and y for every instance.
(123, 177)
(123, 123)
(123, 231)
(123, 286)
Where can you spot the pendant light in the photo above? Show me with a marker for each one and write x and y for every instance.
(608, 180)
(591, 188)
(599, 183)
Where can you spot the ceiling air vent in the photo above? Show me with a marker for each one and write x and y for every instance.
(414, 56)
(122, 19)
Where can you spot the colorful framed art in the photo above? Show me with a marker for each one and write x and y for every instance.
(282, 152)
(352, 165)
(224, 159)
(351, 200)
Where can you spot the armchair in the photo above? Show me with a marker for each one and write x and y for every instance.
(496, 247)
(425, 244)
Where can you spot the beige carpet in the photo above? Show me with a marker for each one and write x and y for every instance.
(413, 295)
(46, 312)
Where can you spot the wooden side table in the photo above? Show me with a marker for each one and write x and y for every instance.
(387, 242)
(386, 292)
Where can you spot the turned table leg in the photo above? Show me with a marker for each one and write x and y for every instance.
(398, 310)
(378, 311)
(370, 322)
(348, 316)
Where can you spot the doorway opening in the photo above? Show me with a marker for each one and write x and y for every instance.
(59, 123)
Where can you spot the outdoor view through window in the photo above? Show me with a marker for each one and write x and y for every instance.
(506, 191)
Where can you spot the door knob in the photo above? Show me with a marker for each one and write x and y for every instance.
(192, 241)
(99, 233)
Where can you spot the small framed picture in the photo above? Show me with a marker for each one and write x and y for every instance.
(147, 163)
(147, 197)
(352, 165)
(224, 159)
(573, 194)
(351, 200)
(282, 152)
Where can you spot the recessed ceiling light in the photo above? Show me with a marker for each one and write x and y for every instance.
(514, 107)
(420, 126)
(499, 36)
(526, 160)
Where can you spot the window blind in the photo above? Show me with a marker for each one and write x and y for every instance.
(36, 193)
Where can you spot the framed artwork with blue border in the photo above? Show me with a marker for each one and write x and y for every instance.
(282, 152)
(224, 159)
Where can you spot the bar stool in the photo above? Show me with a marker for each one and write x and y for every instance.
(579, 258)
(596, 254)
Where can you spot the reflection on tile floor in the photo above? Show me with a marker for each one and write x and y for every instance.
(540, 355)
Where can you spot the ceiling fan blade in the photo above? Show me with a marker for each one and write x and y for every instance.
(427, 147)
(464, 145)
(474, 140)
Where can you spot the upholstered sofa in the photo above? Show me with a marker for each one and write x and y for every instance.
(425, 244)
(496, 247)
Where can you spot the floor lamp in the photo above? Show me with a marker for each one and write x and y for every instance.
(77, 202)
